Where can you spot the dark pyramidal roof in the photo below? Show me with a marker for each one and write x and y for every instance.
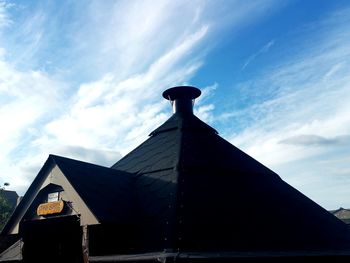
(194, 191)
(187, 191)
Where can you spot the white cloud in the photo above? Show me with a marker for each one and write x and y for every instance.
(5, 21)
(126, 104)
(309, 95)
(203, 108)
(107, 108)
(262, 50)
(316, 140)
(27, 99)
(85, 80)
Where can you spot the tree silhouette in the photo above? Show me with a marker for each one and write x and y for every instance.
(5, 207)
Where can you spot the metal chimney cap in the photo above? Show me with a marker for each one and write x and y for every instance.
(182, 92)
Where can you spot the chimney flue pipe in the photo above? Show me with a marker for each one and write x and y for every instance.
(182, 98)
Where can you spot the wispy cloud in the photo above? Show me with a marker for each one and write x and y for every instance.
(262, 50)
(315, 140)
(307, 103)
(25, 103)
(84, 80)
(124, 106)
(5, 20)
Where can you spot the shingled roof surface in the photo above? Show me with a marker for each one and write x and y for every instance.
(153, 164)
(105, 191)
(187, 190)
(201, 193)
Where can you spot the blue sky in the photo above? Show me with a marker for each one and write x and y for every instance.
(83, 79)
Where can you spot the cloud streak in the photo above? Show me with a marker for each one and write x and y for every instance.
(306, 106)
(83, 80)
(89, 87)
(315, 140)
(5, 21)
(262, 50)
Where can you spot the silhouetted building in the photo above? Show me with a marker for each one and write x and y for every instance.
(184, 195)
(343, 214)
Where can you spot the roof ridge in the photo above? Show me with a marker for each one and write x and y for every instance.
(59, 158)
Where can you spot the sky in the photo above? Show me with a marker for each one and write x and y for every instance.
(83, 79)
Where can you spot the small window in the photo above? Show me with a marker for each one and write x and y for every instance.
(53, 197)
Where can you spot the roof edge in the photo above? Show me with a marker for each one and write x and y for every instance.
(28, 196)
(217, 255)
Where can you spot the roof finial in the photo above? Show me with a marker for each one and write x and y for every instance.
(182, 98)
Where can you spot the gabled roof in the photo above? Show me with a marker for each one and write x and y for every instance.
(13, 253)
(201, 193)
(105, 191)
(343, 214)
